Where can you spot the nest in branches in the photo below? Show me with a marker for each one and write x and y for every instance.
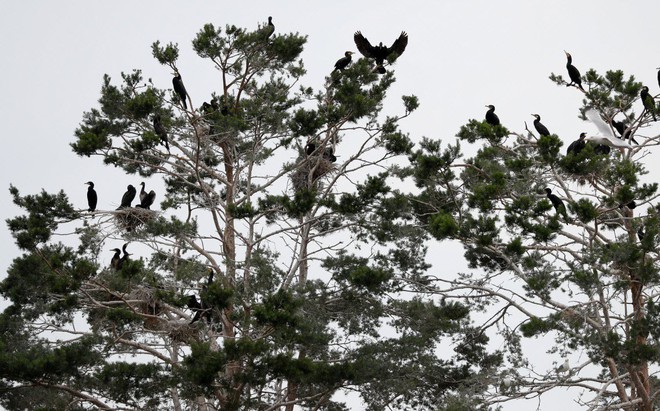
(145, 300)
(130, 218)
(182, 331)
(308, 174)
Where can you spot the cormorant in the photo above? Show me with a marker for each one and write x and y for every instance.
(658, 75)
(201, 308)
(602, 149)
(329, 154)
(540, 128)
(269, 28)
(160, 131)
(341, 64)
(128, 197)
(491, 117)
(577, 146)
(622, 129)
(309, 148)
(559, 206)
(114, 263)
(381, 53)
(123, 258)
(573, 72)
(648, 101)
(92, 199)
(180, 89)
(146, 199)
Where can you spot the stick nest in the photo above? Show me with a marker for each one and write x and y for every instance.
(308, 174)
(131, 218)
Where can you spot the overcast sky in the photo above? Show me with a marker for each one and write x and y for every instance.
(461, 56)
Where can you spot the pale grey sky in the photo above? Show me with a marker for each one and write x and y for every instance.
(461, 56)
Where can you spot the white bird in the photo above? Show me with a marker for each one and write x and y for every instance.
(507, 381)
(565, 367)
(607, 136)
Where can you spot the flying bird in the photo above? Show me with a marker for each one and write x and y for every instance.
(491, 117)
(160, 131)
(180, 89)
(343, 62)
(648, 101)
(92, 199)
(559, 206)
(146, 199)
(606, 138)
(573, 72)
(128, 197)
(540, 128)
(381, 53)
(577, 146)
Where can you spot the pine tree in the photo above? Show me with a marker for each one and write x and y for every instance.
(281, 266)
(585, 278)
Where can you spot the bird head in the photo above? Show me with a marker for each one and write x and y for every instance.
(490, 106)
(270, 19)
(89, 183)
(142, 184)
(348, 53)
(130, 187)
(645, 89)
(116, 250)
(582, 136)
(548, 191)
(567, 54)
(536, 116)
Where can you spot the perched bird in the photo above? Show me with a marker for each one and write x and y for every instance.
(201, 307)
(607, 138)
(114, 262)
(565, 367)
(573, 72)
(602, 149)
(269, 28)
(343, 62)
(648, 101)
(146, 199)
(309, 148)
(577, 146)
(92, 199)
(123, 258)
(128, 197)
(160, 131)
(658, 75)
(491, 117)
(381, 53)
(623, 130)
(559, 206)
(329, 154)
(540, 128)
(180, 89)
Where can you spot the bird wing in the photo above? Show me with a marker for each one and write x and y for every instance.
(600, 124)
(363, 45)
(399, 44)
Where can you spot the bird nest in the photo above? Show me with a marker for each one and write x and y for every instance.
(181, 331)
(307, 175)
(131, 218)
(145, 299)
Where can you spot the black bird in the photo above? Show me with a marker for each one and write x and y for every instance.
(573, 72)
(201, 308)
(381, 53)
(180, 89)
(491, 117)
(329, 154)
(577, 146)
(559, 206)
(160, 131)
(343, 62)
(146, 199)
(540, 128)
(128, 197)
(602, 149)
(114, 263)
(648, 101)
(92, 199)
(622, 129)
(658, 76)
(123, 258)
(269, 29)
(309, 148)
